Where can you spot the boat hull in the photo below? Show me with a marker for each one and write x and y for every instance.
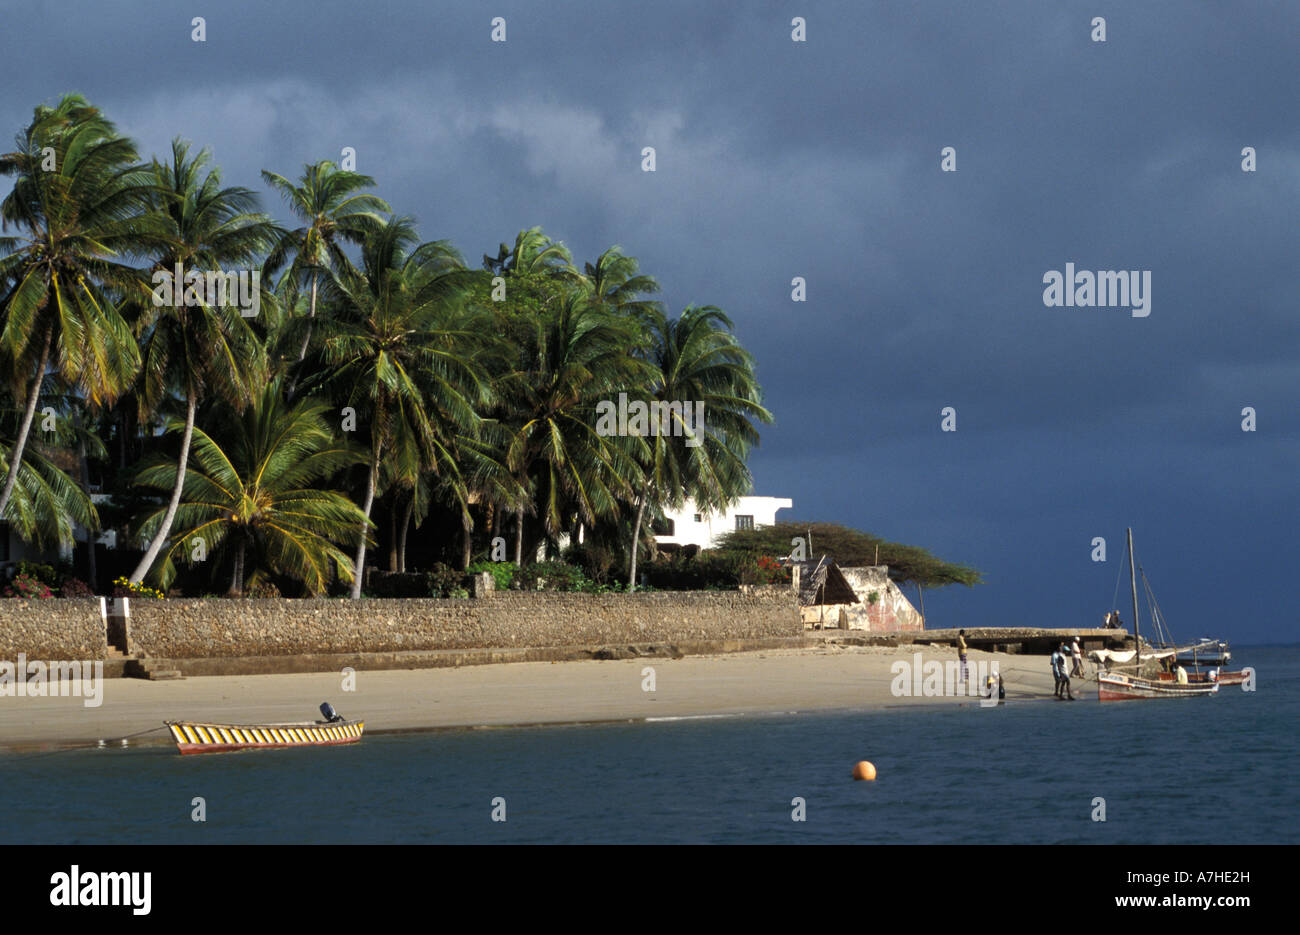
(1129, 688)
(200, 737)
(1225, 678)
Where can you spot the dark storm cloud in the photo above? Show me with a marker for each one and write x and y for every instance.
(821, 160)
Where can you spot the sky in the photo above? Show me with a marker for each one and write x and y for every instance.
(822, 159)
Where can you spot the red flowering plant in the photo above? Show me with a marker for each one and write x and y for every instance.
(762, 570)
(771, 571)
(28, 586)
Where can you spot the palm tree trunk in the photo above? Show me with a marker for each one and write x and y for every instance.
(519, 537)
(16, 453)
(306, 338)
(360, 566)
(237, 576)
(92, 570)
(165, 529)
(636, 540)
(291, 390)
(405, 527)
(392, 534)
(467, 527)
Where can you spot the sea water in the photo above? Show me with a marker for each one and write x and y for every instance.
(1214, 769)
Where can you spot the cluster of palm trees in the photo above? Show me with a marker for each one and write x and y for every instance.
(381, 371)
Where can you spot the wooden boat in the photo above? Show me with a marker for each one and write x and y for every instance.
(1207, 652)
(1115, 686)
(202, 737)
(1224, 678)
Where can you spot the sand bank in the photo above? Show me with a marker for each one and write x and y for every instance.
(772, 681)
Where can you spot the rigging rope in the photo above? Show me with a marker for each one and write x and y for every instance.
(88, 746)
(1114, 598)
(1161, 629)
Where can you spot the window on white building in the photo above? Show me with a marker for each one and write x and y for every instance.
(699, 517)
(744, 522)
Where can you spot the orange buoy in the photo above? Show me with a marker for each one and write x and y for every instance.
(864, 770)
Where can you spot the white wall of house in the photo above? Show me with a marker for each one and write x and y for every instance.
(691, 526)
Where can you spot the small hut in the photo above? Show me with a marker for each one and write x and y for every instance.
(837, 598)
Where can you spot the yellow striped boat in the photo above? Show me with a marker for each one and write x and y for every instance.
(200, 737)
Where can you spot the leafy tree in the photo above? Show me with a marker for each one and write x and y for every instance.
(401, 352)
(45, 501)
(615, 281)
(577, 354)
(194, 351)
(335, 211)
(78, 202)
(697, 359)
(851, 548)
(253, 497)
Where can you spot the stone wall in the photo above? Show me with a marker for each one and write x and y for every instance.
(178, 629)
(55, 629)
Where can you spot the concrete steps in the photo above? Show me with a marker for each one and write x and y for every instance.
(144, 669)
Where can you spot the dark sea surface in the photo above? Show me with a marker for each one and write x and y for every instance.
(1217, 769)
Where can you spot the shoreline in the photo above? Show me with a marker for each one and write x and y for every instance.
(514, 695)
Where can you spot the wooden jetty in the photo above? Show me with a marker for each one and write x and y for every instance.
(1031, 641)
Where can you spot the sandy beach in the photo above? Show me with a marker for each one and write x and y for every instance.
(773, 681)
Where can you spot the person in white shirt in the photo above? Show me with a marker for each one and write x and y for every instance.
(1077, 655)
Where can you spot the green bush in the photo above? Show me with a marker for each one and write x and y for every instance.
(443, 580)
(502, 572)
(438, 581)
(708, 571)
(598, 562)
(553, 576)
(46, 574)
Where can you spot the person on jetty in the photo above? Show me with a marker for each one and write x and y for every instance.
(1058, 670)
(1076, 655)
(961, 652)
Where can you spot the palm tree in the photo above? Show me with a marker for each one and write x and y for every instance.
(616, 281)
(697, 359)
(575, 355)
(78, 199)
(194, 351)
(254, 495)
(335, 211)
(533, 254)
(403, 355)
(45, 501)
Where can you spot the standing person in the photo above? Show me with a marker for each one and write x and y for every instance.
(1076, 654)
(1065, 675)
(1057, 670)
(961, 652)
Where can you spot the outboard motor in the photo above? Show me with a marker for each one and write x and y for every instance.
(327, 711)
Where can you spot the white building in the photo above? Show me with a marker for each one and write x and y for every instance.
(689, 526)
